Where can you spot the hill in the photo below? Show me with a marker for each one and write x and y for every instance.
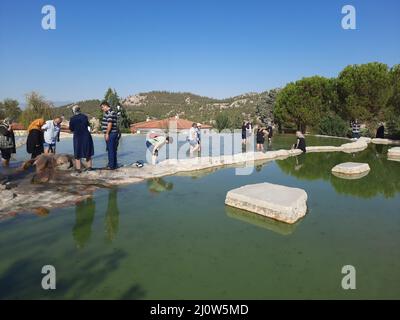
(162, 104)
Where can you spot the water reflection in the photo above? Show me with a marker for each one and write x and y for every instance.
(84, 216)
(261, 221)
(112, 215)
(158, 185)
(384, 177)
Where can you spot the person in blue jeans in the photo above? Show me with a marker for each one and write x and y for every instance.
(110, 129)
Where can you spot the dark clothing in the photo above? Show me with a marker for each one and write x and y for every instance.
(244, 131)
(34, 143)
(83, 142)
(109, 116)
(270, 132)
(260, 136)
(7, 142)
(301, 144)
(112, 145)
(380, 133)
(355, 127)
(6, 154)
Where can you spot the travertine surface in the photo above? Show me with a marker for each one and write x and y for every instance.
(270, 200)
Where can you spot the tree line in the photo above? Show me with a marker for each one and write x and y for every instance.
(38, 107)
(368, 92)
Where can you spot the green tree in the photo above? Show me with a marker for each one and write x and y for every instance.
(37, 107)
(221, 121)
(235, 121)
(265, 106)
(304, 102)
(394, 101)
(2, 113)
(11, 109)
(364, 91)
(113, 99)
(333, 125)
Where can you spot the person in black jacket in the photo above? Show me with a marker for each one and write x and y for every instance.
(35, 140)
(380, 132)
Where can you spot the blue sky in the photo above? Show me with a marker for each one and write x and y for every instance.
(209, 47)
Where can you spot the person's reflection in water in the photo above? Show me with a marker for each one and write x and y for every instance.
(299, 163)
(84, 216)
(379, 148)
(158, 185)
(112, 215)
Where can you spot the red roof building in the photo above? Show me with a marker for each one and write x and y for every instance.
(164, 124)
(18, 126)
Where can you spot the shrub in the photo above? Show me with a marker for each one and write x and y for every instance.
(333, 125)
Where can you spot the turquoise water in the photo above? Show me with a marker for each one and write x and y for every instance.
(173, 238)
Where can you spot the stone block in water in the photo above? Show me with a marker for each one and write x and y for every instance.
(351, 169)
(270, 200)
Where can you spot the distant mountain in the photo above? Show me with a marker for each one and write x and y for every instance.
(89, 107)
(163, 104)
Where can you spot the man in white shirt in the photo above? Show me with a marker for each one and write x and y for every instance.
(51, 130)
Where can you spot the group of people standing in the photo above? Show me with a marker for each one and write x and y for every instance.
(44, 135)
(194, 138)
(83, 142)
(261, 134)
(42, 138)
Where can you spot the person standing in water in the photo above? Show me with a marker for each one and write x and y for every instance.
(7, 141)
(244, 127)
(154, 143)
(260, 137)
(51, 130)
(110, 130)
(83, 142)
(193, 141)
(249, 131)
(300, 142)
(270, 132)
(198, 131)
(35, 140)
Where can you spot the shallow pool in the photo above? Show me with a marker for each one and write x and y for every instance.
(173, 238)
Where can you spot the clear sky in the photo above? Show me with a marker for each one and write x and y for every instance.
(216, 48)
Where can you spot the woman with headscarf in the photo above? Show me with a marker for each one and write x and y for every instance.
(35, 140)
(83, 142)
(7, 141)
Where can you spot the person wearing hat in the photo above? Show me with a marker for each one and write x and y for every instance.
(7, 141)
(83, 142)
